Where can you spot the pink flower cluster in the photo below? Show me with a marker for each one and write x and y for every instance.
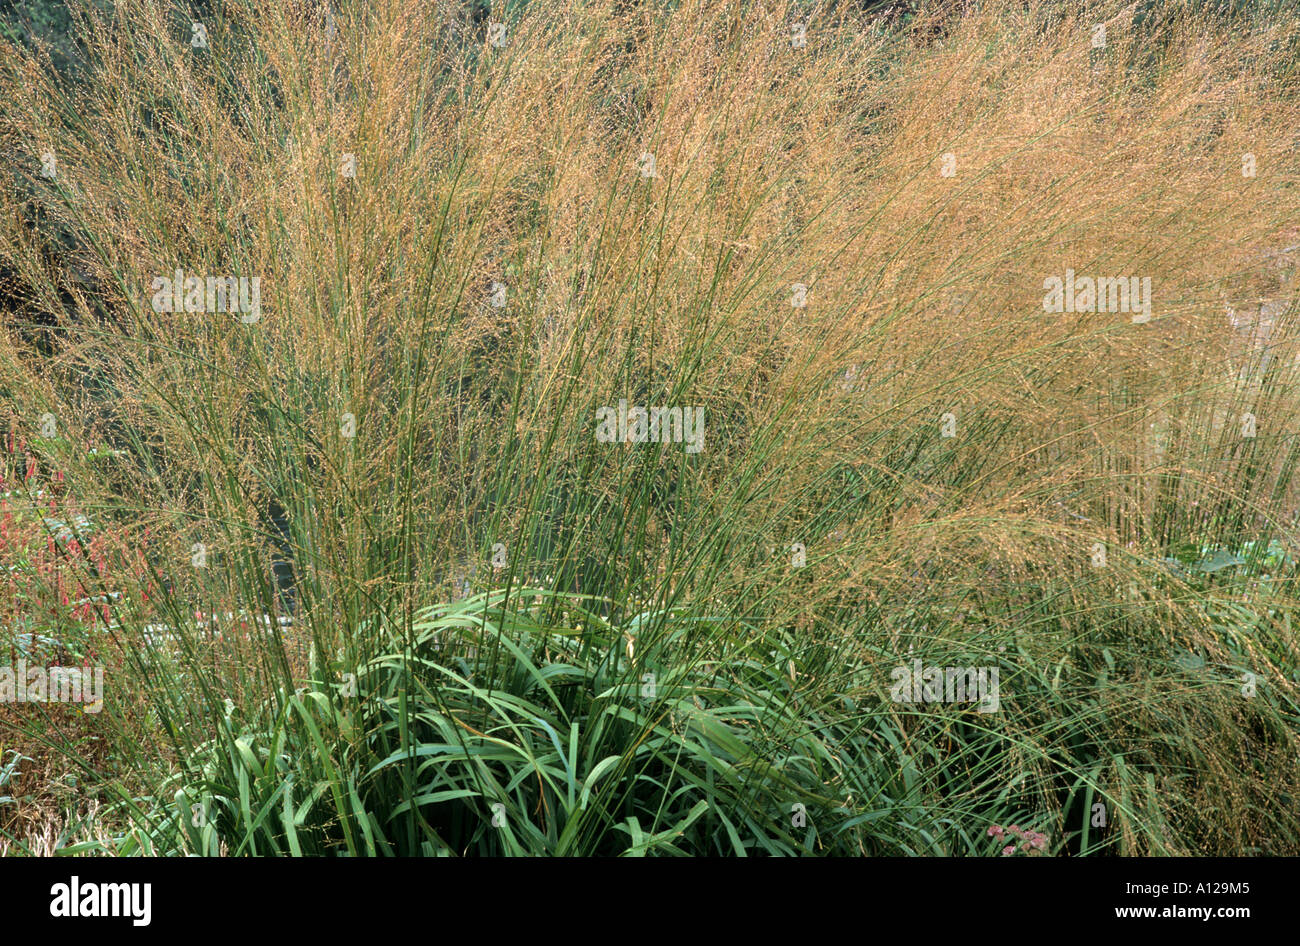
(1032, 843)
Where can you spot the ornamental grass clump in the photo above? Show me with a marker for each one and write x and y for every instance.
(574, 416)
